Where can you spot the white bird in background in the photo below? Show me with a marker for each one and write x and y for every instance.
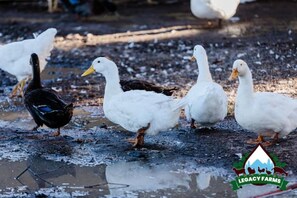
(264, 113)
(15, 57)
(214, 9)
(206, 102)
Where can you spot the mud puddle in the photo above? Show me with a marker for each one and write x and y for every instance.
(92, 158)
(37, 176)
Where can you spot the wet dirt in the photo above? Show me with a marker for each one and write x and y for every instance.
(150, 44)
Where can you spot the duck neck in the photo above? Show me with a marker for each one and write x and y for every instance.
(246, 87)
(204, 73)
(112, 86)
(35, 82)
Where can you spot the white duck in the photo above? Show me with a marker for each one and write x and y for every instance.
(137, 110)
(15, 57)
(214, 9)
(265, 113)
(206, 102)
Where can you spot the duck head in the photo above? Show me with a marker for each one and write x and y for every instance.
(35, 83)
(102, 65)
(34, 60)
(199, 52)
(240, 68)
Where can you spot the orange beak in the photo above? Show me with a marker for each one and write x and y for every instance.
(89, 71)
(193, 59)
(234, 74)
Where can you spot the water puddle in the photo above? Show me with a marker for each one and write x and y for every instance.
(37, 175)
(92, 159)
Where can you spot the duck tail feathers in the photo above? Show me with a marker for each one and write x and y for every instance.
(69, 107)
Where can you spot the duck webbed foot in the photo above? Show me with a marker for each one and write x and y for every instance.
(57, 133)
(35, 128)
(260, 140)
(139, 140)
(275, 137)
(193, 124)
(273, 141)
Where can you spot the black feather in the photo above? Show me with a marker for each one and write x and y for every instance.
(128, 85)
(45, 105)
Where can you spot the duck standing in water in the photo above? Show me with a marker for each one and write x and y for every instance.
(139, 111)
(44, 104)
(206, 102)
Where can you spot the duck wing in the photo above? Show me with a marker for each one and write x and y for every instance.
(136, 109)
(128, 85)
(46, 105)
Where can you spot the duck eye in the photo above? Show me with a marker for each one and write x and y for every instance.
(98, 61)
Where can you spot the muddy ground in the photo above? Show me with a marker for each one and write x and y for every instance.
(154, 43)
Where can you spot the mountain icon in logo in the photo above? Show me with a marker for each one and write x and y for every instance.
(259, 168)
(259, 162)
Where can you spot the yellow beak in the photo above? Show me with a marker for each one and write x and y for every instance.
(89, 71)
(234, 74)
(193, 59)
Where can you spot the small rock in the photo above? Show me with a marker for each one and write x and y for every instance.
(241, 55)
(218, 69)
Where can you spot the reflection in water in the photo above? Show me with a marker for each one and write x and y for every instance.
(123, 179)
(42, 170)
(203, 180)
(45, 176)
(140, 176)
(164, 180)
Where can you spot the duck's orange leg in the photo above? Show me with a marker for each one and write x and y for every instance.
(139, 140)
(260, 139)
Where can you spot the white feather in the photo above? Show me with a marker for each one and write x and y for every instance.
(15, 57)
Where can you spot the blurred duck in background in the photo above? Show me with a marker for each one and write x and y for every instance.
(15, 57)
(84, 7)
(214, 9)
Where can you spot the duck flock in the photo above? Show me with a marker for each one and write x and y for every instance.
(147, 108)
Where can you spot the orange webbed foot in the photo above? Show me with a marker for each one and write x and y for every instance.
(57, 133)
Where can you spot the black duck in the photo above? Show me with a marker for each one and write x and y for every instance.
(44, 104)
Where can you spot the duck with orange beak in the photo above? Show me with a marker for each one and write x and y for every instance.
(139, 111)
(206, 102)
(265, 113)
